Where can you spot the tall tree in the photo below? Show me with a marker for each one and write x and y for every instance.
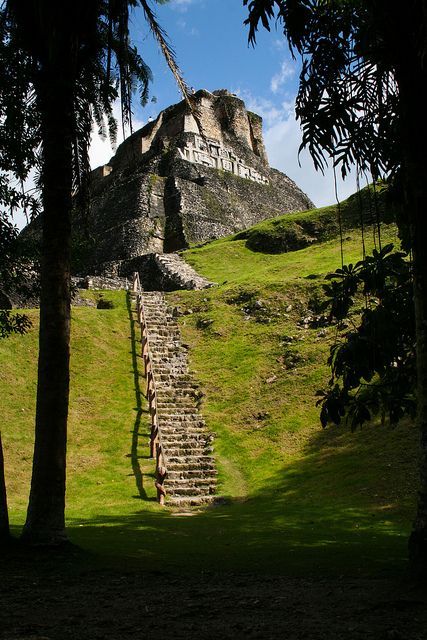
(79, 59)
(361, 100)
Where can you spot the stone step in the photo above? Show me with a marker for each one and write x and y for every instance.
(190, 491)
(170, 359)
(167, 411)
(165, 408)
(170, 366)
(185, 469)
(159, 318)
(178, 400)
(184, 483)
(169, 353)
(183, 427)
(172, 439)
(175, 372)
(169, 393)
(178, 383)
(179, 431)
(185, 434)
(158, 310)
(166, 354)
(168, 401)
(176, 428)
(169, 348)
(169, 397)
(189, 460)
(165, 346)
(171, 389)
(191, 501)
(188, 463)
(192, 473)
(175, 383)
(174, 418)
(186, 450)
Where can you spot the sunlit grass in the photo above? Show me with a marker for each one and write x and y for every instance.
(298, 499)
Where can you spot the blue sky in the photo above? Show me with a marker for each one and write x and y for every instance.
(211, 45)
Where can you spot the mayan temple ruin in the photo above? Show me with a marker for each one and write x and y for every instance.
(168, 186)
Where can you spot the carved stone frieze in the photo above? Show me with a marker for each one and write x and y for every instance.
(215, 156)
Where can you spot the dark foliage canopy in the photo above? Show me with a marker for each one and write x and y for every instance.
(16, 274)
(348, 99)
(373, 360)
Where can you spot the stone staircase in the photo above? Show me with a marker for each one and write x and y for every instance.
(186, 471)
(175, 270)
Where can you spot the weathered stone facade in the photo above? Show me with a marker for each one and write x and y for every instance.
(168, 186)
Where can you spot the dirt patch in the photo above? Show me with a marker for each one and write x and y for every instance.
(70, 596)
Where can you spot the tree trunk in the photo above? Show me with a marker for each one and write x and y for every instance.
(418, 227)
(45, 522)
(4, 517)
(412, 80)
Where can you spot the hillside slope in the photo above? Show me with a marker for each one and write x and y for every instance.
(299, 499)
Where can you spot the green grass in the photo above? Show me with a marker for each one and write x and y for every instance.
(230, 262)
(299, 500)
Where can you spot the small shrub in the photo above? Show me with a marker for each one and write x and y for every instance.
(292, 359)
(104, 304)
(204, 323)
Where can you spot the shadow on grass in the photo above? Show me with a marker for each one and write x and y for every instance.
(136, 431)
(330, 512)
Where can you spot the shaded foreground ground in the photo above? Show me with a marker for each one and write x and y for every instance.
(70, 596)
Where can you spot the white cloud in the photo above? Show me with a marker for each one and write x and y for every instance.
(100, 151)
(182, 24)
(265, 108)
(287, 70)
(181, 5)
(279, 44)
(282, 141)
(282, 137)
(18, 218)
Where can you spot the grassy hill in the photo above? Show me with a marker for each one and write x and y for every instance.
(298, 499)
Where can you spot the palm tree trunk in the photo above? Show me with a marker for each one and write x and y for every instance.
(45, 522)
(4, 516)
